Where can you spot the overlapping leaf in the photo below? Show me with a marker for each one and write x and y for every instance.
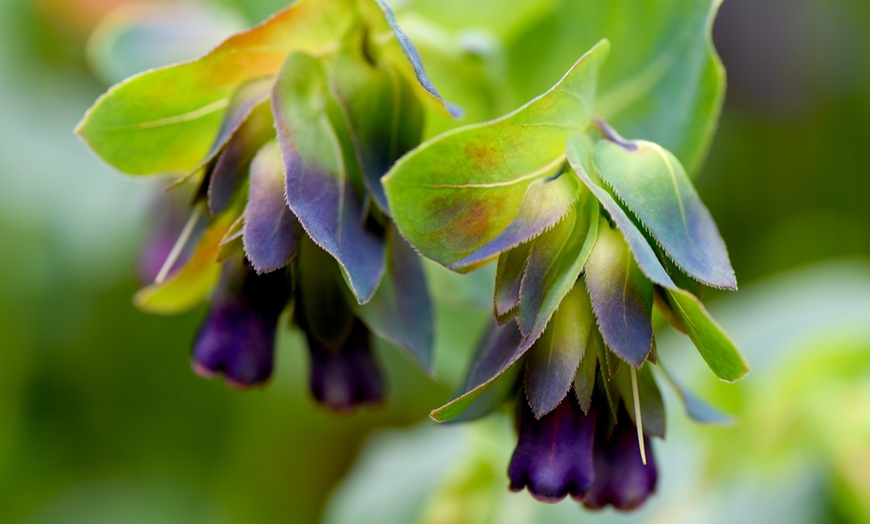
(166, 120)
(320, 172)
(271, 233)
(653, 185)
(508, 278)
(456, 193)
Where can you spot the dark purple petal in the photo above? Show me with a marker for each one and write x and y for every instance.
(237, 338)
(348, 377)
(621, 478)
(401, 310)
(622, 297)
(319, 168)
(553, 458)
(231, 166)
(271, 232)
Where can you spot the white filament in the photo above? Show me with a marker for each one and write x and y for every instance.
(637, 414)
(179, 245)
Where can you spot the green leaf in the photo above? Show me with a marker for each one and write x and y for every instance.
(166, 120)
(385, 116)
(191, 284)
(622, 297)
(555, 262)
(663, 81)
(508, 277)
(652, 184)
(584, 379)
(552, 362)
(715, 346)
(458, 191)
(324, 311)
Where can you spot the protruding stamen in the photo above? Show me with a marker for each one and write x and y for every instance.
(179, 245)
(637, 414)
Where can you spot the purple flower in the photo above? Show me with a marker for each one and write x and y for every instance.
(621, 478)
(553, 457)
(347, 376)
(237, 338)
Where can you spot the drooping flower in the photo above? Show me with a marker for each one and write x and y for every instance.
(591, 232)
(284, 131)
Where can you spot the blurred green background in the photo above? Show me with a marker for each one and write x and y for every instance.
(101, 419)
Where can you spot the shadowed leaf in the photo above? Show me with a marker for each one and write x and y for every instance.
(584, 379)
(401, 310)
(508, 277)
(499, 351)
(320, 190)
(166, 120)
(553, 360)
(697, 409)
(458, 191)
(652, 184)
(271, 233)
(322, 309)
(622, 297)
(652, 407)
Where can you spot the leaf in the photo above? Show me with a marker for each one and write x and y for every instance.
(191, 284)
(715, 346)
(653, 185)
(697, 409)
(622, 297)
(166, 120)
(319, 172)
(498, 352)
(385, 117)
(401, 310)
(545, 203)
(271, 233)
(555, 262)
(605, 374)
(405, 56)
(458, 191)
(584, 379)
(508, 277)
(322, 308)
(233, 164)
(652, 407)
(553, 360)
(663, 81)
(580, 158)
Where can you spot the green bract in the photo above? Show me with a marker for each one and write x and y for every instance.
(576, 215)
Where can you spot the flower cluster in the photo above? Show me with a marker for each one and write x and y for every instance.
(285, 131)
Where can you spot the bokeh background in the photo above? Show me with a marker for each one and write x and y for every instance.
(101, 419)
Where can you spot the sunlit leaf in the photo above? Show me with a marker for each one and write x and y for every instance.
(545, 203)
(653, 185)
(320, 190)
(555, 262)
(401, 310)
(166, 120)
(499, 351)
(191, 284)
(271, 232)
(622, 297)
(457, 192)
(715, 346)
(552, 362)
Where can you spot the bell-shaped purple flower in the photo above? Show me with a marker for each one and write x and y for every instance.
(553, 457)
(237, 338)
(621, 478)
(345, 377)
